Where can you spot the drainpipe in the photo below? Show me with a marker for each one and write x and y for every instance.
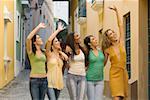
(7, 60)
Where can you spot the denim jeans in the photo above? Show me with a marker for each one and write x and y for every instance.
(53, 93)
(95, 90)
(38, 88)
(76, 85)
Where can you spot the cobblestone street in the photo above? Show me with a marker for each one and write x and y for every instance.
(18, 89)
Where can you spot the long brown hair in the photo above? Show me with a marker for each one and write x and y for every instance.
(88, 48)
(70, 42)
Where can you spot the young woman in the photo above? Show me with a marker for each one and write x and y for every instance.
(55, 59)
(115, 49)
(38, 79)
(76, 82)
(94, 74)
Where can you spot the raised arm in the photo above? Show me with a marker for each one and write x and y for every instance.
(52, 36)
(106, 54)
(120, 24)
(106, 58)
(30, 36)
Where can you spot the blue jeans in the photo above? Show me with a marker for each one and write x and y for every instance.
(38, 88)
(95, 90)
(53, 94)
(76, 85)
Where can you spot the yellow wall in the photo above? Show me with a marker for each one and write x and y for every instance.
(10, 43)
(83, 31)
(93, 22)
(1, 42)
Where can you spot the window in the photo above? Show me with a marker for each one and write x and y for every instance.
(128, 42)
(93, 1)
(18, 26)
(82, 8)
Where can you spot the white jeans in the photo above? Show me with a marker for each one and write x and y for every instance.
(76, 85)
(95, 90)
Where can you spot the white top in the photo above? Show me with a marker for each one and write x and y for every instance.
(77, 65)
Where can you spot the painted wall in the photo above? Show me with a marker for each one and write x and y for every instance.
(93, 23)
(143, 51)
(73, 8)
(10, 46)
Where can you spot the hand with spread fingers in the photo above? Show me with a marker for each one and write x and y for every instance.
(42, 25)
(113, 8)
(60, 26)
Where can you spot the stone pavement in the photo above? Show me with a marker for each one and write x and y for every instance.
(18, 89)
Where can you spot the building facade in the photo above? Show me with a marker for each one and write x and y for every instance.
(18, 18)
(6, 42)
(134, 14)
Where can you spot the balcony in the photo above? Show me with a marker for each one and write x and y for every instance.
(25, 3)
(82, 11)
(97, 5)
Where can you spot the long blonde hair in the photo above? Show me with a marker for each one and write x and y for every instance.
(106, 43)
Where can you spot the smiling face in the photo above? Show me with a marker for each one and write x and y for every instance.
(38, 40)
(112, 36)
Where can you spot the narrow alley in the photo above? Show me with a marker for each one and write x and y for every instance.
(23, 22)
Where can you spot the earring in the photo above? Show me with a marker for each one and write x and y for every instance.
(89, 44)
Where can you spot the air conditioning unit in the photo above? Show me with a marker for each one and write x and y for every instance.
(25, 3)
(97, 5)
(82, 20)
(82, 15)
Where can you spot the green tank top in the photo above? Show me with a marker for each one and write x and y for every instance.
(37, 64)
(96, 66)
